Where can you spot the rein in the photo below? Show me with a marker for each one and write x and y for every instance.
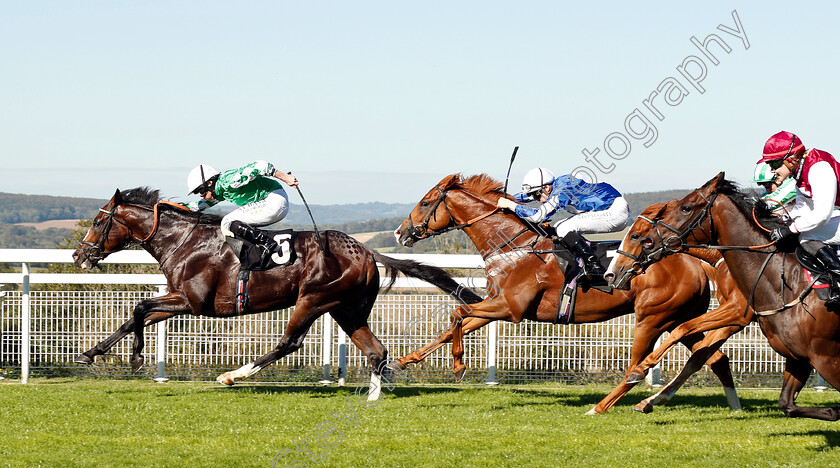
(422, 231)
(675, 244)
(98, 253)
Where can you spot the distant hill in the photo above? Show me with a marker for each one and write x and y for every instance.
(351, 218)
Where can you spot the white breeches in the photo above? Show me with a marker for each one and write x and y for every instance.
(828, 233)
(269, 210)
(613, 219)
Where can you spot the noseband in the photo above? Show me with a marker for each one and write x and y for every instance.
(669, 244)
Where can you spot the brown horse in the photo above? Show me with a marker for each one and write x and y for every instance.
(201, 271)
(721, 323)
(799, 326)
(528, 285)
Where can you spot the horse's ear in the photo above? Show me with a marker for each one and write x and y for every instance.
(654, 211)
(449, 181)
(712, 184)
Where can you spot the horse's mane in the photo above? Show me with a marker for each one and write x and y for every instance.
(145, 196)
(748, 203)
(479, 184)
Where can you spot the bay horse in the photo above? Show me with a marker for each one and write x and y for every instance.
(201, 272)
(529, 285)
(798, 325)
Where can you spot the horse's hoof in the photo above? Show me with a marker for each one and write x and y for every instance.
(634, 378)
(644, 407)
(396, 365)
(83, 359)
(136, 364)
(459, 374)
(225, 379)
(592, 412)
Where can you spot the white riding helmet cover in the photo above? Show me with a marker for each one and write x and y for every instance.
(536, 178)
(763, 173)
(199, 175)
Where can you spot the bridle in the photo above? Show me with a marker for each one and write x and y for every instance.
(422, 231)
(669, 244)
(96, 251)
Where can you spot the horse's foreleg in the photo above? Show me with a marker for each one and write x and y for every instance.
(173, 303)
(795, 376)
(724, 316)
(644, 338)
(708, 346)
(105, 345)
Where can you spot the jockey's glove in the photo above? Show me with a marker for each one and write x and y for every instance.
(780, 233)
(505, 203)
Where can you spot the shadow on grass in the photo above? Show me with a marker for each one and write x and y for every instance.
(331, 391)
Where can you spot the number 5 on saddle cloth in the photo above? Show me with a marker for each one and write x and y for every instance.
(251, 258)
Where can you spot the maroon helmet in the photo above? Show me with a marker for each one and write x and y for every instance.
(782, 146)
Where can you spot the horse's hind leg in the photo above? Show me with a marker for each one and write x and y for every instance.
(105, 345)
(470, 324)
(355, 324)
(795, 376)
(299, 324)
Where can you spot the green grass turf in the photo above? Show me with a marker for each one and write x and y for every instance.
(62, 422)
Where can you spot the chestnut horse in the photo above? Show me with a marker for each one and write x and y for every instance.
(201, 271)
(722, 322)
(798, 325)
(529, 285)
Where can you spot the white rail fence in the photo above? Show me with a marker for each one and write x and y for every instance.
(42, 331)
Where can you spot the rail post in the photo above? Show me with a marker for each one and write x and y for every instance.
(160, 347)
(653, 379)
(25, 326)
(342, 357)
(326, 348)
(492, 347)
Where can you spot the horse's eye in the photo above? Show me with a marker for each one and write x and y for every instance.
(97, 222)
(634, 237)
(686, 209)
(424, 204)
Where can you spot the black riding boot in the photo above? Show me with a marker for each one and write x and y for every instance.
(254, 236)
(591, 266)
(828, 258)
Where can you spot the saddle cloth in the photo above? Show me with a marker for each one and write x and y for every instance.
(605, 251)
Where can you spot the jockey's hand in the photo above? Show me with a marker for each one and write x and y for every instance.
(505, 203)
(780, 233)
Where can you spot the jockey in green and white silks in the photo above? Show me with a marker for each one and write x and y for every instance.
(255, 188)
(780, 198)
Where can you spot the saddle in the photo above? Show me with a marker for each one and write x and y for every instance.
(572, 269)
(251, 258)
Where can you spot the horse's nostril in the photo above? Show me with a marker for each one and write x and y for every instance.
(609, 276)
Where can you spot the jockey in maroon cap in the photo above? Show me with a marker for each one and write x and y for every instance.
(814, 218)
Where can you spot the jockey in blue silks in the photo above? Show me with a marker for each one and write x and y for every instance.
(595, 208)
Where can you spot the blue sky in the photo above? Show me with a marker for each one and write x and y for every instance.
(377, 101)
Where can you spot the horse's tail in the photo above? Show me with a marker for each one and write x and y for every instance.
(427, 273)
